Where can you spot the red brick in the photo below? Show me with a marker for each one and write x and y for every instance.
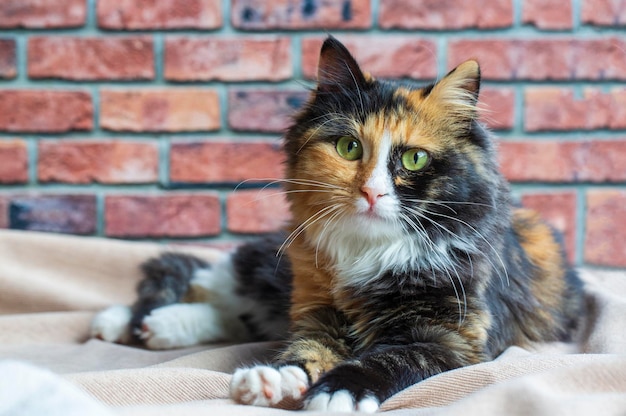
(225, 161)
(107, 161)
(548, 14)
(300, 14)
(159, 14)
(257, 211)
(445, 14)
(174, 215)
(605, 227)
(7, 58)
(604, 12)
(91, 58)
(263, 110)
(556, 161)
(72, 214)
(543, 59)
(171, 110)
(386, 57)
(38, 14)
(13, 161)
(45, 111)
(554, 108)
(497, 107)
(559, 210)
(245, 59)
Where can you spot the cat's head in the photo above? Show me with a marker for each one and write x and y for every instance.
(379, 158)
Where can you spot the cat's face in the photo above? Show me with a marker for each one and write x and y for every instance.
(378, 159)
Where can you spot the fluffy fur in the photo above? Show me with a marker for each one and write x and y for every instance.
(395, 270)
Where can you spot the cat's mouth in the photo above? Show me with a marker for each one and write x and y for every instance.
(382, 210)
(372, 214)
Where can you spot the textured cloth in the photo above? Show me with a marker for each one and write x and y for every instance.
(51, 285)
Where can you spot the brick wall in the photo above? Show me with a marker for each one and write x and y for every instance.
(138, 118)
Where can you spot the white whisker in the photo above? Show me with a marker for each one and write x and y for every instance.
(458, 237)
(358, 90)
(456, 293)
(463, 315)
(495, 252)
(299, 181)
(461, 305)
(306, 224)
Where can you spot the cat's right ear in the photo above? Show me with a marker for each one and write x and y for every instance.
(459, 88)
(337, 69)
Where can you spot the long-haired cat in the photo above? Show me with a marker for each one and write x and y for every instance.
(405, 257)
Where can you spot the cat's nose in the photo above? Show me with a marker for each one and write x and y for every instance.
(372, 195)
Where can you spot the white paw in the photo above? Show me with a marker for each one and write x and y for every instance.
(341, 401)
(181, 325)
(267, 386)
(112, 324)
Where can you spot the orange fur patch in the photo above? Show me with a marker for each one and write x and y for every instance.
(544, 252)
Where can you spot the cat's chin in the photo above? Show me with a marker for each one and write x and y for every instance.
(375, 217)
(373, 225)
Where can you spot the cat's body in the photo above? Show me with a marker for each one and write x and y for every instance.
(405, 257)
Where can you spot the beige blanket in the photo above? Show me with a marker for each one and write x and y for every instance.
(50, 286)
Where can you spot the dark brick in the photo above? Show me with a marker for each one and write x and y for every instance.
(300, 14)
(72, 214)
(38, 14)
(263, 110)
(8, 68)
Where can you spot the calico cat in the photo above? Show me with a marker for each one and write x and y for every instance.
(405, 256)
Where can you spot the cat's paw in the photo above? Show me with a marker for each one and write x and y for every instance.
(156, 332)
(112, 324)
(267, 386)
(181, 325)
(341, 401)
(345, 388)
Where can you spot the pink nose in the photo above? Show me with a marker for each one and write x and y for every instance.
(371, 194)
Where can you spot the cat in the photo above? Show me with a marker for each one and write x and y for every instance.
(405, 256)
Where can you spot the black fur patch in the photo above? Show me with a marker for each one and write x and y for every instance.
(265, 278)
(166, 282)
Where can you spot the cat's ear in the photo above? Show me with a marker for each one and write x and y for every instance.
(337, 69)
(458, 90)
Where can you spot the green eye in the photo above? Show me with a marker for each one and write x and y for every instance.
(414, 159)
(349, 148)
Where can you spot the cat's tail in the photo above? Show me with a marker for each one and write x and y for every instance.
(167, 280)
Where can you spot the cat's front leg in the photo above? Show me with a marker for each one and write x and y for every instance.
(363, 384)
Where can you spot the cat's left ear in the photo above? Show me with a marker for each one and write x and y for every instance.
(458, 90)
(337, 69)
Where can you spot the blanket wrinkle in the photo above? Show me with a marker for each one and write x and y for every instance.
(51, 285)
